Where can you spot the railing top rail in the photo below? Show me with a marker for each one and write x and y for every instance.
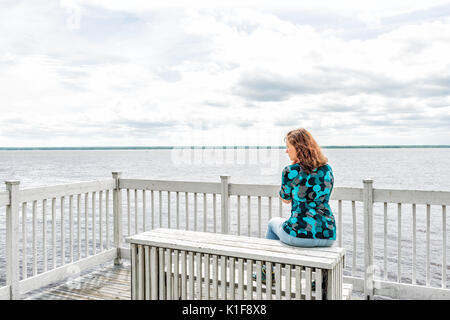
(169, 185)
(241, 189)
(271, 190)
(40, 193)
(411, 196)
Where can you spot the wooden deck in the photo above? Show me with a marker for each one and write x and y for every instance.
(106, 282)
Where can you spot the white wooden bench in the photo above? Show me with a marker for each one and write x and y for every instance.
(180, 264)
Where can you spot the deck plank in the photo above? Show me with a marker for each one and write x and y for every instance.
(104, 283)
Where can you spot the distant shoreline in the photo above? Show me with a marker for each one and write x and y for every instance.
(220, 147)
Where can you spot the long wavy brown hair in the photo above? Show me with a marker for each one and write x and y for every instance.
(309, 154)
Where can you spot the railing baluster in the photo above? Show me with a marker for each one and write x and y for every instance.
(107, 219)
(44, 235)
(186, 202)
(136, 212)
(355, 238)
(100, 218)
(340, 223)
(414, 244)
(249, 216)
(280, 207)
(71, 227)
(168, 210)
(444, 248)
(195, 211)
(86, 226)
(153, 209)
(160, 208)
(117, 224)
(428, 246)
(24, 242)
(368, 239)
(94, 244)
(215, 212)
(63, 261)
(143, 210)
(12, 240)
(79, 226)
(34, 238)
(54, 232)
(385, 237)
(270, 207)
(399, 242)
(259, 216)
(204, 212)
(238, 215)
(178, 210)
(129, 212)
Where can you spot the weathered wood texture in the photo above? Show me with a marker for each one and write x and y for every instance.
(108, 282)
(52, 227)
(324, 265)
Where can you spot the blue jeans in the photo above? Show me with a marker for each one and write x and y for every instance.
(275, 231)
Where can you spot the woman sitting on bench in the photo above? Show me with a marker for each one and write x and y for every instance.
(306, 183)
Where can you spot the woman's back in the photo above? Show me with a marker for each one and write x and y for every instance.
(311, 215)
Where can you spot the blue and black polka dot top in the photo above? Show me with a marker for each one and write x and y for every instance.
(311, 215)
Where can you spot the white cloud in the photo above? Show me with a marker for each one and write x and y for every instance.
(115, 73)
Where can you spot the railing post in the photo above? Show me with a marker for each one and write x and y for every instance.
(117, 210)
(12, 239)
(368, 239)
(225, 214)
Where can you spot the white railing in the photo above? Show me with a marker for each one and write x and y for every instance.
(54, 232)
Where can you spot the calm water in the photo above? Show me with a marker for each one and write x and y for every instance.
(418, 169)
(422, 169)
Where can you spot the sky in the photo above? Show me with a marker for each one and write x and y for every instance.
(136, 73)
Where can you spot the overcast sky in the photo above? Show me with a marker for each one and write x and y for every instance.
(131, 73)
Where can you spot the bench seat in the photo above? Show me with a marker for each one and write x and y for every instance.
(193, 256)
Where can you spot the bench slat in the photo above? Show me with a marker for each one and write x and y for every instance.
(229, 253)
(253, 240)
(249, 242)
(158, 240)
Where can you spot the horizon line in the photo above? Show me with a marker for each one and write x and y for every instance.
(218, 147)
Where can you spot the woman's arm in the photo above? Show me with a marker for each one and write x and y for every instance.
(285, 201)
(285, 189)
